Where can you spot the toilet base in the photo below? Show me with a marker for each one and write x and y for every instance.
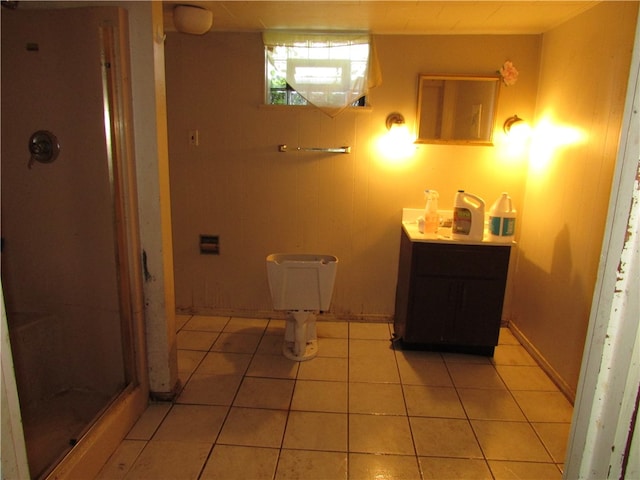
(300, 339)
(310, 352)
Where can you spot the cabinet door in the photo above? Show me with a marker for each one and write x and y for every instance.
(431, 311)
(478, 312)
(454, 311)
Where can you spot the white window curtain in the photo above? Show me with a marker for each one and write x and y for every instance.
(331, 71)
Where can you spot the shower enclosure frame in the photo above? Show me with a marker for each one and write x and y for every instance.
(101, 438)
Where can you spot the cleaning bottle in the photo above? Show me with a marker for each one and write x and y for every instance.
(468, 217)
(431, 217)
(502, 220)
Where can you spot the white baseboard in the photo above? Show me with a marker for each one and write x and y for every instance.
(323, 317)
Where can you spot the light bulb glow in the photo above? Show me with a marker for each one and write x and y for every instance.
(397, 144)
(519, 132)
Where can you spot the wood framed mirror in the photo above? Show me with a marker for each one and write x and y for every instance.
(457, 109)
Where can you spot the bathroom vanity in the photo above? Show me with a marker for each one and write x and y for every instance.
(449, 294)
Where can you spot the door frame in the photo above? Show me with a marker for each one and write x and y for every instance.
(606, 406)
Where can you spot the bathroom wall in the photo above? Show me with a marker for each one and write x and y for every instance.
(583, 80)
(236, 184)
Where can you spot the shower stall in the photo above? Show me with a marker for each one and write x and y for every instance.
(70, 275)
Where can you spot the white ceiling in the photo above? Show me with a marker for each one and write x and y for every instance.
(418, 17)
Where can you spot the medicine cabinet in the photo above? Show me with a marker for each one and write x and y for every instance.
(457, 109)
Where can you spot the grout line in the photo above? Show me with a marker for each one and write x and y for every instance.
(348, 409)
(406, 408)
(286, 423)
(215, 440)
(466, 413)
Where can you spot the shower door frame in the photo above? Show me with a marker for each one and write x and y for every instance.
(102, 437)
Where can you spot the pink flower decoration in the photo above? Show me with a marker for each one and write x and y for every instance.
(509, 73)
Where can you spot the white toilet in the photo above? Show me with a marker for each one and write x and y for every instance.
(302, 284)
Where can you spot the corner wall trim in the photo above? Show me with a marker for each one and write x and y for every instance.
(546, 366)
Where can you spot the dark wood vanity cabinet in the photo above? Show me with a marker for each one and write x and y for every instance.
(449, 295)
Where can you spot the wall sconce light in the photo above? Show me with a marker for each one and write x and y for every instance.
(398, 142)
(516, 127)
(394, 120)
(510, 122)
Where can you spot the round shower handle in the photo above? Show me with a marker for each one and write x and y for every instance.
(43, 147)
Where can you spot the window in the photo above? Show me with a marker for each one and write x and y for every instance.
(329, 71)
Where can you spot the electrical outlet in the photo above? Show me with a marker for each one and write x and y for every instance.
(194, 138)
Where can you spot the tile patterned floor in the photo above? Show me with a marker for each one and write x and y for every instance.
(360, 410)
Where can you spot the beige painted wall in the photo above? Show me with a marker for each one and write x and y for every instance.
(236, 184)
(583, 79)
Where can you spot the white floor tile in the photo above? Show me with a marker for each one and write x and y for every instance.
(359, 410)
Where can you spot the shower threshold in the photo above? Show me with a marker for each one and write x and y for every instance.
(54, 425)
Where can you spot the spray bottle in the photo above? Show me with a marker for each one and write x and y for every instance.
(431, 217)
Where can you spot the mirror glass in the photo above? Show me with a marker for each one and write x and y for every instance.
(457, 109)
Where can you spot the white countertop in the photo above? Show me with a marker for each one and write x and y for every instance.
(444, 236)
(410, 226)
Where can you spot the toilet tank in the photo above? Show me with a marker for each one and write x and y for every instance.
(301, 281)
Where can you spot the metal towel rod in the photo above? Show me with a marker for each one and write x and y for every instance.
(284, 148)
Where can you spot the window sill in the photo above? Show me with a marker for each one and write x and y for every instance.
(265, 106)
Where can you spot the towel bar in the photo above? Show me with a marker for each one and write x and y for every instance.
(284, 148)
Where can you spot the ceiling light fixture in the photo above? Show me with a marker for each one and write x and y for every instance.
(192, 20)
